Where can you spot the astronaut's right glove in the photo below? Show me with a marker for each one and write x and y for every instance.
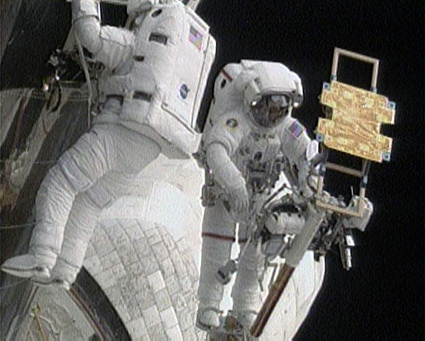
(229, 178)
(239, 200)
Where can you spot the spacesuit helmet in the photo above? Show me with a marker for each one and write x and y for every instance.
(270, 91)
(271, 109)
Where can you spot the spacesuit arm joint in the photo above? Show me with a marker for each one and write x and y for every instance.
(109, 45)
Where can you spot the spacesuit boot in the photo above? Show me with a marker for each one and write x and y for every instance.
(245, 293)
(30, 265)
(215, 254)
(62, 276)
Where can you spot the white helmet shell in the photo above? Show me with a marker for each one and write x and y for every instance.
(269, 78)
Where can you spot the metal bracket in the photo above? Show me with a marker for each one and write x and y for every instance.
(357, 56)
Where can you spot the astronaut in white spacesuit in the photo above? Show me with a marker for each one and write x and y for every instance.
(149, 95)
(248, 129)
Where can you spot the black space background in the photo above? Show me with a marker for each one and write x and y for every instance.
(382, 297)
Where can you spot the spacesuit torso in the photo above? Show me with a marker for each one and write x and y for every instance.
(257, 159)
(237, 151)
(155, 74)
(257, 154)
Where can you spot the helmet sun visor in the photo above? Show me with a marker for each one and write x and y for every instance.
(271, 110)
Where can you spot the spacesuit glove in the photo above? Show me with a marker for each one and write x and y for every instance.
(359, 222)
(313, 182)
(305, 189)
(239, 200)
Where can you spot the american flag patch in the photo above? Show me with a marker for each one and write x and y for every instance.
(296, 129)
(195, 37)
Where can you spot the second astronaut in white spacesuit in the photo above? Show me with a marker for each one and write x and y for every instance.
(248, 129)
(149, 94)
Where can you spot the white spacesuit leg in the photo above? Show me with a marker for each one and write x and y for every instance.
(218, 233)
(77, 169)
(78, 231)
(246, 290)
(104, 148)
(88, 206)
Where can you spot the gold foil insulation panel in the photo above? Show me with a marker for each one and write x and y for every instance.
(356, 120)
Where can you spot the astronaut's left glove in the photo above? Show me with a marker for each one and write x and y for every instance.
(359, 222)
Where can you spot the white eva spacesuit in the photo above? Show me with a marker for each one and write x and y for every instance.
(249, 127)
(149, 95)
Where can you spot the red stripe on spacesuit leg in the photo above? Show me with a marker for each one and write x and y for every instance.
(218, 236)
(226, 75)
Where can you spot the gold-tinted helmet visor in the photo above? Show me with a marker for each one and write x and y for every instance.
(271, 110)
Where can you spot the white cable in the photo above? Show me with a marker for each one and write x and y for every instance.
(87, 76)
